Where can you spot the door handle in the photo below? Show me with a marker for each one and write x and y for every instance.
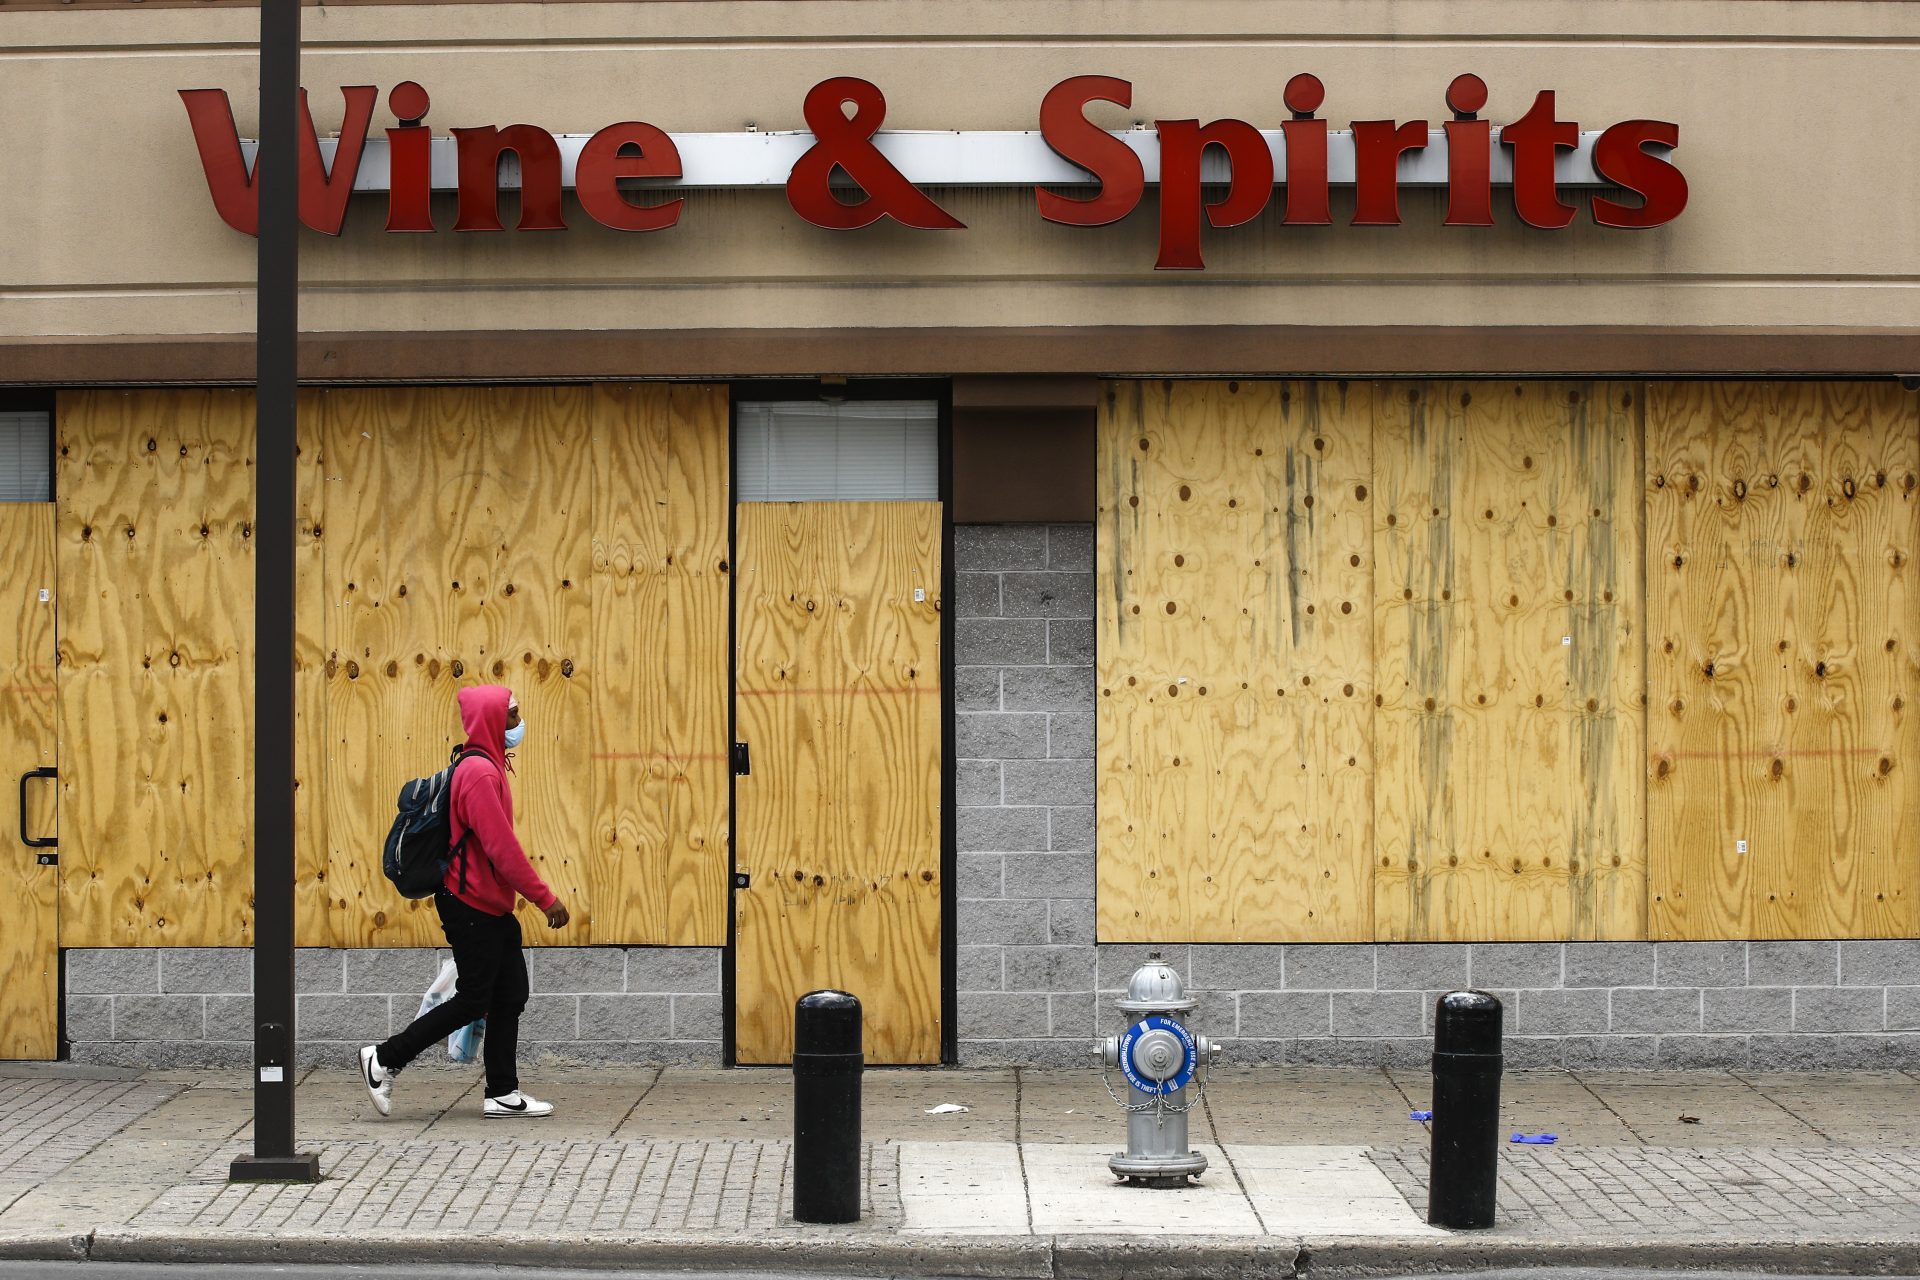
(32, 842)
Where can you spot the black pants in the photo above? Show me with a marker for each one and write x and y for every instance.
(492, 985)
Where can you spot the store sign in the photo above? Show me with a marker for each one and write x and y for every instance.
(619, 174)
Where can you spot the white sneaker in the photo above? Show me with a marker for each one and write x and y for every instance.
(516, 1106)
(378, 1079)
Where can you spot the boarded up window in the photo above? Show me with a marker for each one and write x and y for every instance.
(1235, 662)
(1782, 521)
(569, 542)
(1507, 630)
(1371, 662)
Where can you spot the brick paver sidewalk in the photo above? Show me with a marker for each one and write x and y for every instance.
(45, 1125)
(1715, 1193)
(515, 1187)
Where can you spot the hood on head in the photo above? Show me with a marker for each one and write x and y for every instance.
(483, 713)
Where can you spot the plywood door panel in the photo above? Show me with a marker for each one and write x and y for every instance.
(1509, 640)
(458, 552)
(154, 545)
(660, 602)
(838, 699)
(29, 892)
(1235, 662)
(1783, 760)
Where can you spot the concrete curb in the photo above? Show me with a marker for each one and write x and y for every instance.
(985, 1257)
(43, 1246)
(993, 1258)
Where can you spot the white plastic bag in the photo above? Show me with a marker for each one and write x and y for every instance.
(464, 1044)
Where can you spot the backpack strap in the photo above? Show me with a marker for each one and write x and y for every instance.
(460, 846)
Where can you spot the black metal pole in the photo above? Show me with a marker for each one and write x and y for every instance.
(827, 1062)
(1466, 1110)
(277, 179)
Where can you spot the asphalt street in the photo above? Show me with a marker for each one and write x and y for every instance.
(180, 1271)
(141, 1271)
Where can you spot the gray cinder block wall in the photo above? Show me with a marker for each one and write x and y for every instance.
(1035, 987)
(1024, 792)
(171, 1007)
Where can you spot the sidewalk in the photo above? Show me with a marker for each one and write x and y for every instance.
(1311, 1172)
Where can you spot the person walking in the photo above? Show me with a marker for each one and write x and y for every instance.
(476, 909)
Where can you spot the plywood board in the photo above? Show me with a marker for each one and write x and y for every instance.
(312, 921)
(1235, 662)
(661, 583)
(838, 698)
(154, 546)
(458, 551)
(29, 892)
(1508, 633)
(446, 537)
(1781, 526)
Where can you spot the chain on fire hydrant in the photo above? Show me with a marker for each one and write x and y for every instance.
(1159, 1057)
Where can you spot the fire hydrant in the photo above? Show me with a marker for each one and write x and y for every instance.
(1159, 1057)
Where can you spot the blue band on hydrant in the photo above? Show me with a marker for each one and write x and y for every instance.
(1174, 1082)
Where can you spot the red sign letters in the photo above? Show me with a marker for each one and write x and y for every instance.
(632, 149)
(1536, 138)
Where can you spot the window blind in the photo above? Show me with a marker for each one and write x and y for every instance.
(26, 456)
(864, 450)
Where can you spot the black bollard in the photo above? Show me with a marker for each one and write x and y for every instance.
(1466, 1110)
(827, 1062)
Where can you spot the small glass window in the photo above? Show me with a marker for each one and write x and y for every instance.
(856, 450)
(26, 456)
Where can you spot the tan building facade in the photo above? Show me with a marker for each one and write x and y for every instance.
(1377, 610)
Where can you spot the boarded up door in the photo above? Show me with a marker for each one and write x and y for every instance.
(837, 697)
(29, 889)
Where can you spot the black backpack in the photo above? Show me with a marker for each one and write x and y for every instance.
(420, 844)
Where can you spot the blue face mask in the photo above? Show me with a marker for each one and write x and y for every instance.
(516, 735)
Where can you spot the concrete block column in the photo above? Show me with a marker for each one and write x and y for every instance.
(1024, 759)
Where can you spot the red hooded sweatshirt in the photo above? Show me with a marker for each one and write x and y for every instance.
(496, 866)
